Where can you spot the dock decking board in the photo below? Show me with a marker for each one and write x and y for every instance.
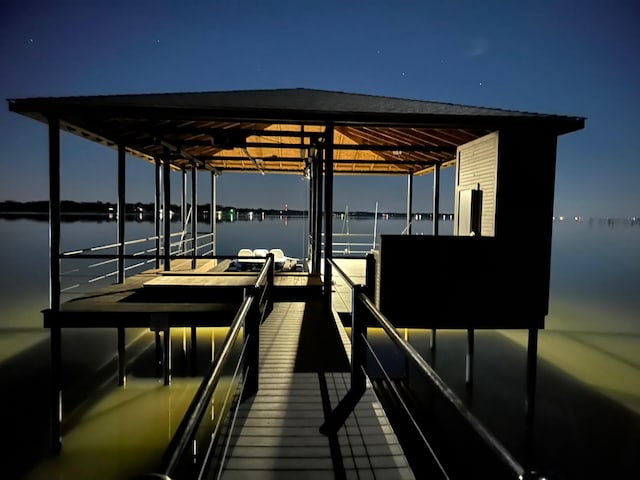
(276, 434)
(185, 297)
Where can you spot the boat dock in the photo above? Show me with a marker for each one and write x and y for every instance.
(316, 134)
(304, 369)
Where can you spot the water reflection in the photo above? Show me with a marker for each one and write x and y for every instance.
(109, 431)
(563, 432)
(588, 392)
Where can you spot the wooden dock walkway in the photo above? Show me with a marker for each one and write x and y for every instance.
(304, 373)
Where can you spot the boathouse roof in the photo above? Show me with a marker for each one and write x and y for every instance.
(272, 130)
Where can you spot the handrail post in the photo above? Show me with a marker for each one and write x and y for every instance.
(270, 276)
(252, 337)
(345, 407)
(358, 341)
(156, 213)
(54, 284)
(194, 214)
(122, 210)
(370, 276)
(166, 209)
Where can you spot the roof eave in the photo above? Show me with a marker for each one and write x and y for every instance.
(43, 109)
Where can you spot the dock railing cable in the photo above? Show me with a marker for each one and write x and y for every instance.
(362, 304)
(107, 255)
(179, 459)
(344, 246)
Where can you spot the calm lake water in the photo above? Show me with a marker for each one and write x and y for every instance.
(592, 332)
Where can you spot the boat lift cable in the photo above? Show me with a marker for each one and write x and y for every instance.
(345, 223)
(254, 160)
(184, 229)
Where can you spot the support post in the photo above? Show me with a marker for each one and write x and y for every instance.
(358, 342)
(532, 368)
(159, 360)
(409, 202)
(370, 276)
(56, 386)
(161, 323)
(530, 401)
(55, 331)
(252, 336)
(348, 403)
(166, 356)
(435, 225)
(213, 213)
(54, 214)
(193, 357)
(183, 209)
(318, 174)
(166, 218)
(308, 253)
(328, 213)
(269, 286)
(194, 214)
(122, 214)
(436, 199)
(156, 213)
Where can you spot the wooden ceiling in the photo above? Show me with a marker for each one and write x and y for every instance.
(275, 131)
(284, 148)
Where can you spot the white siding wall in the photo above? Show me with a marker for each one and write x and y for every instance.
(477, 167)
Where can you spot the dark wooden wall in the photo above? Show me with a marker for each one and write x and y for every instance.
(457, 282)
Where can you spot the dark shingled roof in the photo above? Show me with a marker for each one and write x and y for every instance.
(398, 136)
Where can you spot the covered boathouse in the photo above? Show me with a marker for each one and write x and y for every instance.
(505, 165)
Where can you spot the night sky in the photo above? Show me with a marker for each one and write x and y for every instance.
(577, 58)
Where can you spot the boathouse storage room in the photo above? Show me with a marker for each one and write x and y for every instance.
(500, 253)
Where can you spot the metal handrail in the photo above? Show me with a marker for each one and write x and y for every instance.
(426, 369)
(234, 416)
(405, 407)
(71, 253)
(152, 257)
(449, 394)
(352, 248)
(200, 402)
(144, 257)
(211, 445)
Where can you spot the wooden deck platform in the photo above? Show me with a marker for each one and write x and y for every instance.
(182, 297)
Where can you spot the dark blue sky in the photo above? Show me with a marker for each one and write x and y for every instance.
(566, 57)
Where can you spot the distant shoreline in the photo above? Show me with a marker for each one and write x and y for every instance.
(106, 211)
(68, 208)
